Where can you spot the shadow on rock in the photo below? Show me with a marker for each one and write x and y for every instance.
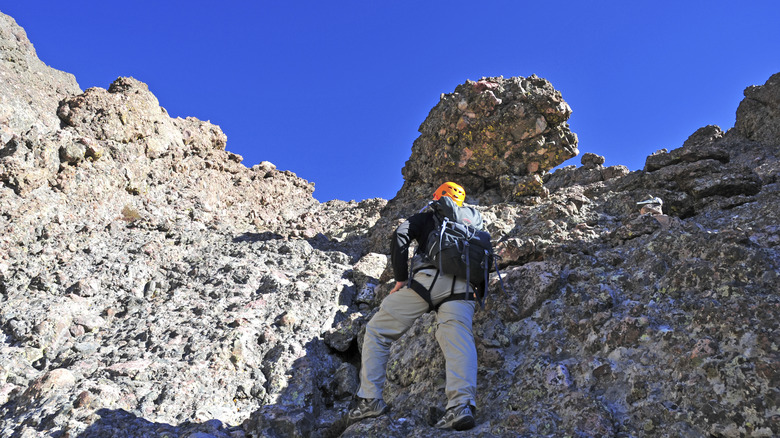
(318, 389)
(354, 246)
(258, 237)
(119, 423)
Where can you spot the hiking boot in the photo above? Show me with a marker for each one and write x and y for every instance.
(458, 418)
(367, 408)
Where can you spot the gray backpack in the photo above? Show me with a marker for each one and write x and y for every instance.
(458, 245)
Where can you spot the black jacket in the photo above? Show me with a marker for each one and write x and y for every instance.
(417, 228)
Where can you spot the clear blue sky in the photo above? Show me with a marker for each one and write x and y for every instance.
(335, 91)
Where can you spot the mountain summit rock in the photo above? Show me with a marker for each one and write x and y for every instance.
(493, 134)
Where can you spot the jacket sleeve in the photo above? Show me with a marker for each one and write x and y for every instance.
(410, 230)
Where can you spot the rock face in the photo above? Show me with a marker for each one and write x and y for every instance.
(757, 115)
(152, 285)
(29, 90)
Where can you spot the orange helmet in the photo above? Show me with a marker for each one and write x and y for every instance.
(452, 190)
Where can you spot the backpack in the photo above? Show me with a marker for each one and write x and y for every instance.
(460, 247)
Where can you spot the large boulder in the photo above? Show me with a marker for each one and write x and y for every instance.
(495, 134)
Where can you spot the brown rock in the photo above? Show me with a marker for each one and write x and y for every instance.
(490, 129)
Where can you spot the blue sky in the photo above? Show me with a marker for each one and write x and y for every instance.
(335, 91)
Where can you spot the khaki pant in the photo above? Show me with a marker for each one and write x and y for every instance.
(398, 312)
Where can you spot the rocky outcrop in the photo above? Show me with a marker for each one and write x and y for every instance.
(29, 90)
(494, 135)
(591, 171)
(135, 256)
(151, 284)
(757, 115)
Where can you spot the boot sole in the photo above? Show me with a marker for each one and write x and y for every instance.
(369, 415)
(464, 424)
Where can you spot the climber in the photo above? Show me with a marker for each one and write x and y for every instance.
(652, 205)
(403, 306)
